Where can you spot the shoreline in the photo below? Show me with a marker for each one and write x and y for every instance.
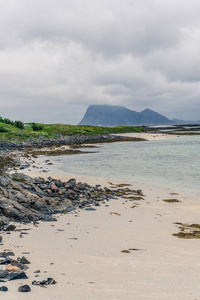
(83, 254)
(122, 249)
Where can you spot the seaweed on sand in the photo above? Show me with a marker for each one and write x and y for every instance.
(188, 231)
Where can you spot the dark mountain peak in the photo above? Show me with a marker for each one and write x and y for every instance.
(112, 115)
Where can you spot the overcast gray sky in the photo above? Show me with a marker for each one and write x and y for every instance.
(59, 56)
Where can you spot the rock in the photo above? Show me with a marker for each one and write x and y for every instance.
(13, 213)
(24, 261)
(44, 282)
(17, 275)
(3, 222)
(71, 194)
(5, 254)
(20, 197)
(6, 261)
(90, 209)
(10, 227)
(72, 181)
(43, 186)
(58, 183)
(4, 274)
(11, 268)
(18, 264)
(139, 192)
(24, 288)
(4, 181)
(53, 187)
(3, 288)
(1, 238)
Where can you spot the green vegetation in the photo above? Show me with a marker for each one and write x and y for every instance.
(18, 179)
(3, 129)
(18, 131)
(61, 129)
(17, 124)
(37, 127)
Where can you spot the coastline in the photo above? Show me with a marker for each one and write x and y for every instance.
(82, 250)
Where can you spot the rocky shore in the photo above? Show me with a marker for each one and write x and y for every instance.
(28, 199)
(66, 140)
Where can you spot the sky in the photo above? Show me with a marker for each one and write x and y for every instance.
(57, 57)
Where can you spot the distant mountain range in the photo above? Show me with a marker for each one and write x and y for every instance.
(109, 115)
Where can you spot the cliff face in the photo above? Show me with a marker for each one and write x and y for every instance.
(107, 115)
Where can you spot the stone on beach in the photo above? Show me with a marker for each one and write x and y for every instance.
(24, 288)
(49, 281)
(17, 275)
(24, 260)
(4, 274)
(3, 288)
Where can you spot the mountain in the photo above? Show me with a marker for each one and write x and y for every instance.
(110, 115)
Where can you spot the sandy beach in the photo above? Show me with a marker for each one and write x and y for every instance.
(122, 249)
(149, 136)
(82, 251)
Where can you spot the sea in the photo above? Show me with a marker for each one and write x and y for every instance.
(173, 163)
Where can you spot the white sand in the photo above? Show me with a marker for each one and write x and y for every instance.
(92, 265)
(149, 136)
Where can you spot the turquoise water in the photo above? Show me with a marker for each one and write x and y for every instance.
(168, 163)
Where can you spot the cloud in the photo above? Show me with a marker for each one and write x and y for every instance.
(57, 57)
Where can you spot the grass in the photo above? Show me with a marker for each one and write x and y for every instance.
(18, 179)
(14, 134)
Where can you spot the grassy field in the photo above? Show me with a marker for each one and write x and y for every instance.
(11, 133)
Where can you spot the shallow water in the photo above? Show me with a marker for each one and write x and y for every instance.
(169, 163)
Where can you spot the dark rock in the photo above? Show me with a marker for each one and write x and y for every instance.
(139, 192)
(4, 274)
(3, 288)
(18, 264)
(43, 186)
(13, 213)
(5, 254)
(59, 184)
(24, 288)
(10, 227)
(90, 209)
(24, 261)
(6, 261)
(17, 275)
(49, 281)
